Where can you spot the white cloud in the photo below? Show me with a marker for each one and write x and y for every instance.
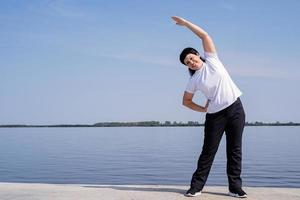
(227, 6)
(264, 71)
(166, 61)
(60, 8)
(257, 64)
(262, 68)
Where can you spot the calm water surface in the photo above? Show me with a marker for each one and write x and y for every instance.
(271, 156)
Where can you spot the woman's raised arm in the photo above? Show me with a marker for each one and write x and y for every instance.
(207, 42)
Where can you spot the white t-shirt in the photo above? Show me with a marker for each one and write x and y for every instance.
(213, 80)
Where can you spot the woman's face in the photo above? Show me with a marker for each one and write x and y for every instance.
(193, 61)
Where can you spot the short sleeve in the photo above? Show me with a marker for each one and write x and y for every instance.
(191, 87)
(213, 60)
(209, 55)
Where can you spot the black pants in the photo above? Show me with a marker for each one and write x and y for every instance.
(232, 121)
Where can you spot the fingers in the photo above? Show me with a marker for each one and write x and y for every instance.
(179, 21)
(175, 18)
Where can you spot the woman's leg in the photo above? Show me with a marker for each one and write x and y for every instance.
(234, 130)
(214, 128)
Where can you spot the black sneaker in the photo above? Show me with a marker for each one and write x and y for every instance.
(192, 192)
(239, 193)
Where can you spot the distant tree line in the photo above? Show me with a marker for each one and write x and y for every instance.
(272, 124)
(145, 124)
(142, 123)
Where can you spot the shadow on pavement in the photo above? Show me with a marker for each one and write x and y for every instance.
(152, 189)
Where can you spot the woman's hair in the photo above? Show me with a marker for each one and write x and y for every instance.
(187, 51)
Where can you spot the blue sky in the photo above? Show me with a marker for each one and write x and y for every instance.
(91, 61)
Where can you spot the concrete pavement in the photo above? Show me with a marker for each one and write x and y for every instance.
(29, 191)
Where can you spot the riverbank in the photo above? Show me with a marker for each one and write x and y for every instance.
(31, 191)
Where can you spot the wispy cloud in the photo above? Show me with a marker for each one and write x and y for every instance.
(227, 6)
(159, 60)
(61, 8)
(256, 65)
(264, 71)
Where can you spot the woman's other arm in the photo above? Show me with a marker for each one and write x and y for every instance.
(188, 102)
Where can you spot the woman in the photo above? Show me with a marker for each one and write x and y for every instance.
(224, 109)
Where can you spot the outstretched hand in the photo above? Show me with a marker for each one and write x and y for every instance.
(179, 20)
